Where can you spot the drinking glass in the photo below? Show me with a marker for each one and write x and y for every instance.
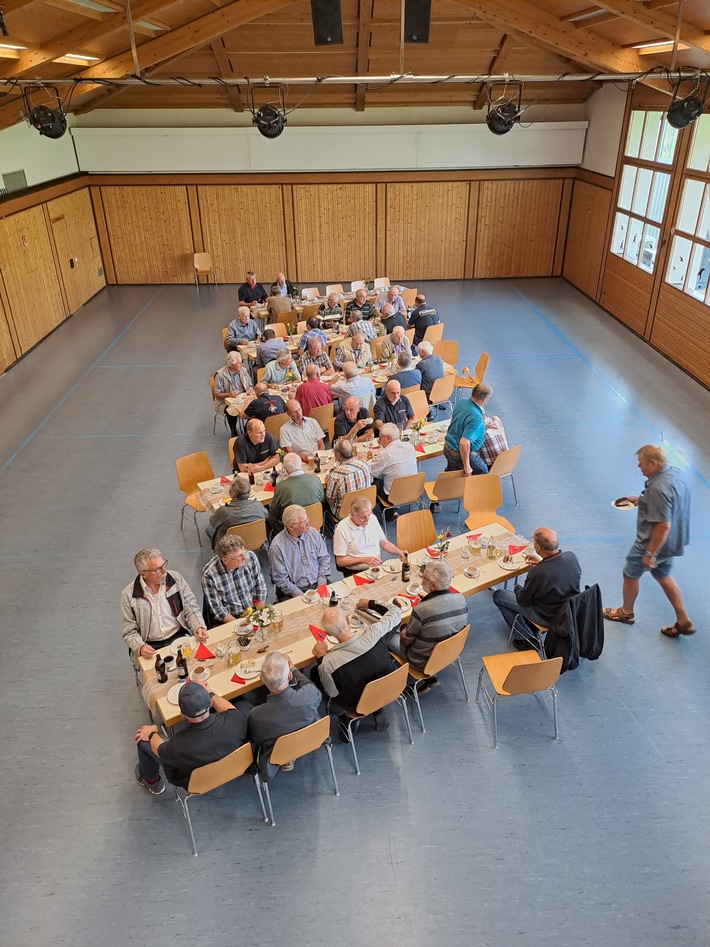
(277, 622)
(187, 649)
(235, 654)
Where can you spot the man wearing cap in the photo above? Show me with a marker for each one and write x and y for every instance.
(207, 738)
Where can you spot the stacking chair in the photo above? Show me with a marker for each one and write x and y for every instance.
(260, 374)
(481, 498)
(191, 470)
(331, 431)
(409, 333)
(515, 673)
(292, 746)
(301, 326)
(220, 408)
(442, 392)
(202, 263)
(434, 333)
(357, 284)
(334, 288)
(504, 465)
(375, 346)
(404, 490)
(449, 485)
(420, 405)
(279, 329)
(481, 366)
(230, 451)
(213, 775)
(225, 332)
(274, 424)
(253, 534)
(416, 530)
(445, 652)
(375, 696)
(382, 282)
(369, 492)
(309, 311)
(322, 415)
(315, 515)
(409, 297)
(410, 390)
(310, 292)
(447, 350)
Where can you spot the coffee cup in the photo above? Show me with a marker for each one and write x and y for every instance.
(376, 571)
(199, 673)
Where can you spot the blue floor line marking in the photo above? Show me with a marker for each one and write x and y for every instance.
(583, 358)
(58, 437)
(79, 380)
(531, 358)
(141, 365)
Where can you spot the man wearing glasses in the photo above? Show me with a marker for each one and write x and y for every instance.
(232, 580)
(158, 607)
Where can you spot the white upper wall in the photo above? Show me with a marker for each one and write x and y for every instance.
(22, 148)
(605, 113)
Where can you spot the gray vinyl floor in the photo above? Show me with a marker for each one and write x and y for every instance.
(599, 839)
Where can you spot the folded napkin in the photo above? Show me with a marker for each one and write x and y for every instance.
(414, 599)
(225, 480)
(203, 653)
(360, 580)
(452, 589)
(433, 552)
(474, 536)
(420, 449)
(268, 487)
(323, 590)
(317, 632)
(237, 679)
(513, 549)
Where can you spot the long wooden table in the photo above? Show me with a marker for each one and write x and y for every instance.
(296, 639)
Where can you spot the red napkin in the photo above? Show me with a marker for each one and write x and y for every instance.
(203, 653)
(513, 549)
(268, 487)
(317, 632)
(434, 553)
(359, 580)
(323, 591)
(420, 448)
(237, 679)
(414, 599)
(452, 589)
(474, 536)
(225, 480)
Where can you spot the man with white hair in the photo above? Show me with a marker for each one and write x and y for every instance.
(440, 614)
(348, 475)
(396, 459)
(298, 558)
(358, 540)
(357, 324)
(394, 344)
(293, 702)
(297, 487)
(301, 435)
(391, 297)
(360, 304)
(241, 330)
(345, 668)
(282, 285)
(430, 366)
(238, 511)
(281, 371)
(230, 381)
(331, 307)
(315, 355)
(354, 385)
(353, 349)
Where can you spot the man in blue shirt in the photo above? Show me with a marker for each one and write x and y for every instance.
(467, 432)
(662, 532)
(242, 330)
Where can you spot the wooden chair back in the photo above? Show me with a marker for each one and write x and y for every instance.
(375, 346)
(322, 414)
(331, 431)
(447, 350)
(191, 470)
(420, 405)
(446, 652)
(369, 492)
(309, 311)
(230, 451)
(315, 515)
(260, 374)
(449, 485)
(225, 330)
(381, 692)
(434, 333)
(406, 489)
(409, 333)
(530, 678)
(382, 282)
(408, 297)
(481, 366)
(482, 496)
(274, 424)
(357, 284)
(287, 318)
(506, 462)
(292, 746)
(253, 534)
(310, 292)
(411, 390)
(279, 328)
(442, 389)
(202, 263)
(212, 775)
(301, 326)
(334, 288)
(415, 530)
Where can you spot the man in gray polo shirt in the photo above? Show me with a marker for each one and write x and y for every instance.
(662, 532)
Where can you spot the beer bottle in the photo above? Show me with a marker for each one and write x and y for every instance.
(252, 481)
(406, 569)
(316, 463)
(274, 477)
(161, 672)
(333, 599)
(181, 666)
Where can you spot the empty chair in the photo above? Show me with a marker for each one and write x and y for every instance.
(447, 350)
(274, 424)
(279, 329)
(191, 470)
(253, 534)
(404, 490)
(515, 673)
(309, 311)
(292, 746)
(416, 530)
(322, 414)
(409, 297)
(449, 485)
(202, 263)
(420, 405)
(334, 288)
(382, 282)
(434, 333)
(213, 775)
(310, 292)
(357, 284)
(377, 695)
(442, 391)
(467, 380)
(504, 465)
(481, 498)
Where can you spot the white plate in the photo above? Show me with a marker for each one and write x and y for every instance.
(207, 676)
(355, 622)
(392, 565)
(174, 693)
(509, 566)
(625, 507)
(332, 639)
(311, 601)
(414, 590)
(180, 643)
(248, 673)
(403, 603)
(216, 488)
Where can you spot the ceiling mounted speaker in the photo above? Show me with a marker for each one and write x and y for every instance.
(417, 17)
(327, 22)
(269, 121)
(501, 118)
(49, 122)
(681, 114)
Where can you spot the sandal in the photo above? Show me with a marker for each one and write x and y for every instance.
(616, 614)
(673, 631)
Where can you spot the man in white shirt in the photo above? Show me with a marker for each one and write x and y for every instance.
(281, 371)
(358, 540)
(397, 459)
(301, 435)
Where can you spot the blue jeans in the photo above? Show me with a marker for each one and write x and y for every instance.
(454, 461)
(508, 606)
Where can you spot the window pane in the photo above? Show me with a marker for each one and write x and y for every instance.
(700, 150)
(650, 247)
(697, 279)
(659, 192)
(621, 228)
(666, 145)
(628, 182)
(703, 230)
(633, 241)
(643, 189)
(678, 263)
(690, 205)
(650, 135)
(633, 142)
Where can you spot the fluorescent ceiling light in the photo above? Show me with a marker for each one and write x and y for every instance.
(148, 26)
(92, 5)
(80, 56)
(656, 46)
(11, 46)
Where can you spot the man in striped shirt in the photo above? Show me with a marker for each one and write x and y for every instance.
(232, 580)
(314, 355)
(349, 474)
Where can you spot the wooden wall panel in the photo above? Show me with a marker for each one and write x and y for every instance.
(426, 230)
(626, 292)
(585, 237)
(681, 330)
(30, 277)
(243, 229)
(517, 228)
(335, 232)
(7, 349)
(75, 239)
(149, 229)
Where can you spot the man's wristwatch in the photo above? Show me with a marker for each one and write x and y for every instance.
(211, 694)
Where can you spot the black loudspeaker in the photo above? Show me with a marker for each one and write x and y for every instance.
(327, 22)
(417, 14)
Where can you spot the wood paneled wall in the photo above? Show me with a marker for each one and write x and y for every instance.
(681, 330)
(8, 352)
(426, 227)
(76, 242)
(626, 292)
(586, 236)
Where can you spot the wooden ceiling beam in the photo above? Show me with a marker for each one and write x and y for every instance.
(227, 72)
(496, 61)
(663, 23)
(363, 50)
(12, 6)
